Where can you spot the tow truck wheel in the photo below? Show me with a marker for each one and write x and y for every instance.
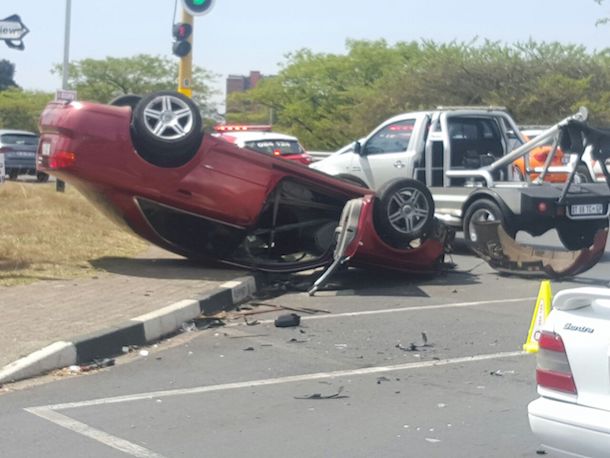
(481, 211)
(578, 235)
(166, 129)
(404, 211)
(582, 175)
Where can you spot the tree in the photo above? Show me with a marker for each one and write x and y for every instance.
(328, 100)
(7, 73)
(101, 80)
(21, 109)
(603, 20)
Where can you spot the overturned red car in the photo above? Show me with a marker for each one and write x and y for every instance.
(149, 165)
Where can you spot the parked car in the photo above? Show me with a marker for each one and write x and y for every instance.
(572, 414)
(260, 138)
(153, 169)
(19, 149)
(465, 157)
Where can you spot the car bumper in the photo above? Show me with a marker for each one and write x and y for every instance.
(570, 429)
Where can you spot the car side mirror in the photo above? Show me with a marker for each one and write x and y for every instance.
(358, 149)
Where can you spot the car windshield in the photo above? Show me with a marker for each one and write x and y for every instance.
(275, 147)
(19, 139)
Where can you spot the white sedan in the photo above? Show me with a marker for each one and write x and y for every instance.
(572, 414)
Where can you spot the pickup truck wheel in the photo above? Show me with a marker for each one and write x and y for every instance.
(166, 129)
(578, 235)
(480, 211)
(404, 211)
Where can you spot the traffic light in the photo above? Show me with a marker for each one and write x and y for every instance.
(197, 7)
(181, 32)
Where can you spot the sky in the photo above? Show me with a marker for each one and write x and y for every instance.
(238, 36)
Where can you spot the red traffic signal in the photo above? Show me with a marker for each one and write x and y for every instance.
(181, 32)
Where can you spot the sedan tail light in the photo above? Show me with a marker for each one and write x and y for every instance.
(553, 369)
(61, 160)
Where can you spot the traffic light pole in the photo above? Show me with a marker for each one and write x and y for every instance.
(185, 70)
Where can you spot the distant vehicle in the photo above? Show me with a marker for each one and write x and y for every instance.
(260, 138)
(155, 171)
(572, 414)
(19, 149)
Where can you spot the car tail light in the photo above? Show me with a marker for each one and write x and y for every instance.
(553, 368)
(61, 160)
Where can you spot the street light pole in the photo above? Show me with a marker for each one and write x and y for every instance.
(64, 82)
(60, 186)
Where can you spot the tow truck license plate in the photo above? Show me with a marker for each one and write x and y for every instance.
(586, 209)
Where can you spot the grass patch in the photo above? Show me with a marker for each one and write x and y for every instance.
(49, 235)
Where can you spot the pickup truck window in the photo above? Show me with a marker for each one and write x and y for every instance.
(392, 138)
(475, 142)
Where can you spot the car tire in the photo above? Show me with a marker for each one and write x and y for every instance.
(166, 129)
(578, 235)
(483, 210)
(126, 100)
(403, 212)
(582, 175)
(353, 180)
(13, 174)
(42, 177)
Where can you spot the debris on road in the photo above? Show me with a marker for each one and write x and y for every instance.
(316, 396)
(293, 340)
(500, 373)
(288, 320)
(188, 326)
(414, 346)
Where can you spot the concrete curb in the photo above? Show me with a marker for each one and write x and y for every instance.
(140, 330)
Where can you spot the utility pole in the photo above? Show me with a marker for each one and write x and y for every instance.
(60, 185)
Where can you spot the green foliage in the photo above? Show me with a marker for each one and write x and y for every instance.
(7, 73)
(101, 80)
(328, 100)
(21, 109)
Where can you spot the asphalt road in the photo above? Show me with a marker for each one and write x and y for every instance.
(358, 381)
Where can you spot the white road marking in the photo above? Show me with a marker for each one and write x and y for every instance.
(280, 380)
(92, 433)
(404, 309)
